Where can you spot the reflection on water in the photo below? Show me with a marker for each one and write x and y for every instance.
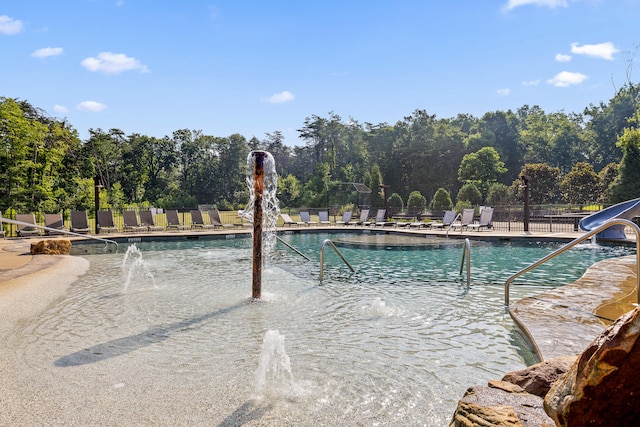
(396, 343)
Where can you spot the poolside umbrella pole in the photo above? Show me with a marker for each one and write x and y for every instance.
(258, 191)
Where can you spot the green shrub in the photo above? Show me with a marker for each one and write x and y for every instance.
(395, 201)
(441, 200)
(470, 193)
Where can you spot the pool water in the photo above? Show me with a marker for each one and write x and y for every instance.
(396, 343)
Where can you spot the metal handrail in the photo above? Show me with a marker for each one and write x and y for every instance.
(466, 254)
(292, 248)
(58, 231)
(615, 221)
(330, 243)
(453, 222)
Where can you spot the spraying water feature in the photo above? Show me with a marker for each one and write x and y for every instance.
(262, 210)
(134, 266)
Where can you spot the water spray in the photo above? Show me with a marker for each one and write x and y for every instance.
(262, 210)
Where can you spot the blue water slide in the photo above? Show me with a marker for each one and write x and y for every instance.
(625, 210)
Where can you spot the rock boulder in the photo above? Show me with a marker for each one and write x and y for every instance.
(602, 387)
(51, 247)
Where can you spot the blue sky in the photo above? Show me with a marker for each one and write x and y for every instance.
(252, 67)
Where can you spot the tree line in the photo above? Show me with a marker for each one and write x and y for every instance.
(588, 157)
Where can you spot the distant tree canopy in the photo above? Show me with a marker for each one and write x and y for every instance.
(589, 156)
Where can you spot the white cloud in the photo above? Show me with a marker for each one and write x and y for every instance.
(46, 52)
(91, 106)
(10, 26)
(113, 63)
(551, 4)
(601, 50)
(280, 98)
(531, 82)
(566, 78)
(60, 109)
(561, 57)
(503, 92)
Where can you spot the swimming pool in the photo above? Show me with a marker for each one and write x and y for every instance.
(398, 342)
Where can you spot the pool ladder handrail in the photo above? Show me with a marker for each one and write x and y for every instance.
(466, 255)
(330, 243)
(458, 215)
(615, 221)
(292, 248)
(58, 231)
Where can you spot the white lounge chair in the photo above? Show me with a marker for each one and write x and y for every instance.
(465, 220)
(364, 215)
(486, 218)
(305, 217)
(288, 221)
(324, 218)
(346, 217)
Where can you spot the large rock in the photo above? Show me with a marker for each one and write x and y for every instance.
(500, 404)
(51, 247)
(602, 388)
(537, 379)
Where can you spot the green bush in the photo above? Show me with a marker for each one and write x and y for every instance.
(416, 200)
(395, 201)
(441, 200)
(499, 194)
(462, 205)
(470, 193)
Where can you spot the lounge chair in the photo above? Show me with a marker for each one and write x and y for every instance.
(131, 222)
(197, 220)
(465, 220)
(364, 215)
(106, 223)
(486, 218)
(80, 222)
(447, 219)
(288, 221)
(305, 217)
(146, 219)
(25, 230)
(324, 218)
(380, 219)
(173, 220)
(346, 218)
(55, 222)
(216, 219)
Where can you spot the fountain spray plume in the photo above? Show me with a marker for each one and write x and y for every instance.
(262, 210)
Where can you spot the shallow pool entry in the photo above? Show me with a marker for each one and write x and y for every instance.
(396, 343)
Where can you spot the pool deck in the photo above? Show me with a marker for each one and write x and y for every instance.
(560, 322)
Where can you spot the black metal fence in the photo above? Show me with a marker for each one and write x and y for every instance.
(544, 218)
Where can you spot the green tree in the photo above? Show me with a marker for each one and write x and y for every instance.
(469, 192)
(396, 204)
(582, 185)
(288, 190)
(499, 194)
(416, 202)
(544, 183)
(373, 180)
(625, 186)
(607, 123)
(441, 200)
(608, 174)
(500, 130)
(483, 166)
